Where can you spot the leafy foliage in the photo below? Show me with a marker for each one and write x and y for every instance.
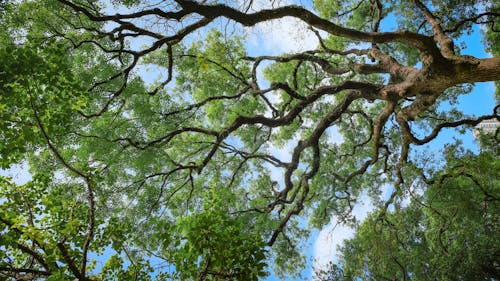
(448, 233)
(153, 133)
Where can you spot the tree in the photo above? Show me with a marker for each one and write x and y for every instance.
(448, 233)
(172, 176)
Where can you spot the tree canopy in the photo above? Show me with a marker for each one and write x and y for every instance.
(446, 233)
(151, 132)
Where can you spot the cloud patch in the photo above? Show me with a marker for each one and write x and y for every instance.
(325, 248)
(286, 35)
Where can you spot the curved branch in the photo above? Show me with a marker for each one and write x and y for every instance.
(446, 43)
(214, 11)
(473, 19)
(435, 132)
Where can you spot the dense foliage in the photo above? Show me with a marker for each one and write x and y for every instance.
(447, 233)
(151, 131)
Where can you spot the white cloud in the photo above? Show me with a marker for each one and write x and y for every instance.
(334, 234)
(279, 36)
(286, 35)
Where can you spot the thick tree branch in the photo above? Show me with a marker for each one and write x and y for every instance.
(445, 42)
(213, 11)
